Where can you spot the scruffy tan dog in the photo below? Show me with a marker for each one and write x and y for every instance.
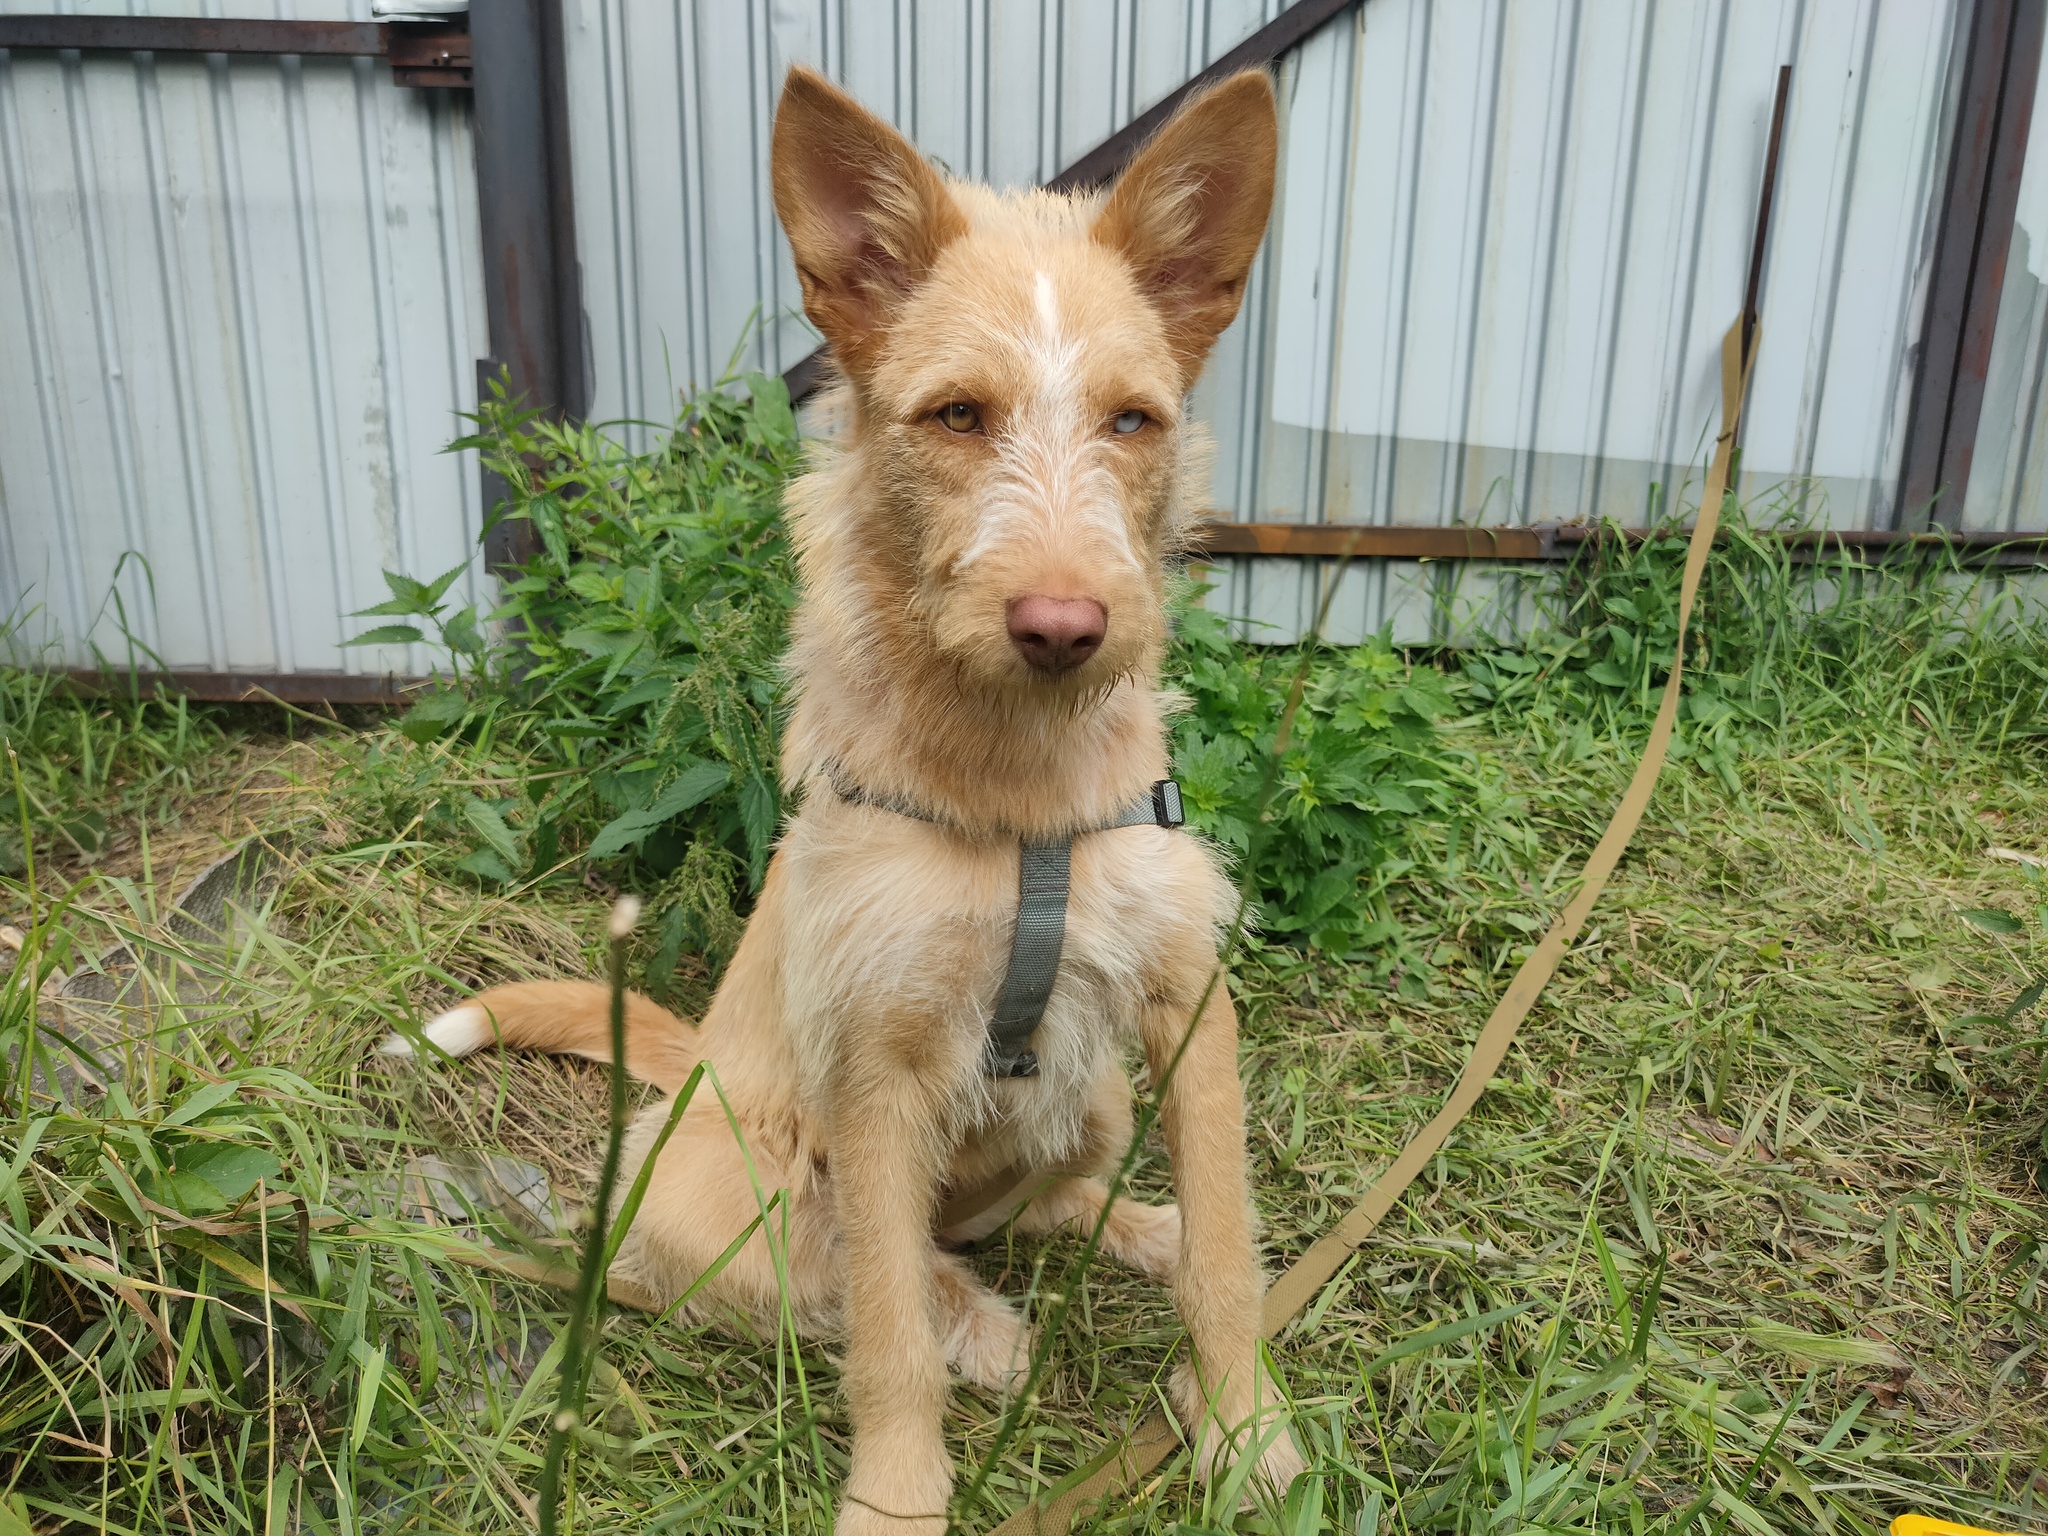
(982, 540)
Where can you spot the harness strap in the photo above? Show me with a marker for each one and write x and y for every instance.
(1043, 871)
(1044, 876)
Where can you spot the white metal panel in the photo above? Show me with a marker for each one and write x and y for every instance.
(684, 267)
(240, 301)
(1509, 240)
(1494, 303)
(2009, 472)
(241, 298)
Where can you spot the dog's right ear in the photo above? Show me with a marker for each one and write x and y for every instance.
(866, 214)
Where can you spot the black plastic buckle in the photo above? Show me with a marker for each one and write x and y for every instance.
(1167, 809)
(1026, 1065)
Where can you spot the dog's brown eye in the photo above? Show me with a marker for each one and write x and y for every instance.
(961, 417)
(1128, 422)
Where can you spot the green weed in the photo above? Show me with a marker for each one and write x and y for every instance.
(81, 765)
(1361, 761)
(626, 713)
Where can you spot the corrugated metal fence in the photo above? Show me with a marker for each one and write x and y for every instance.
(1510, 239)
(240, 300)
(240, 307)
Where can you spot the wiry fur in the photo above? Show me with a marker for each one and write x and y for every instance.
(847, 1038)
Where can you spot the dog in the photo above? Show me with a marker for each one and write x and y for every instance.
(982, 541)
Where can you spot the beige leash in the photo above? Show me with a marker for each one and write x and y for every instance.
(1155, 1439)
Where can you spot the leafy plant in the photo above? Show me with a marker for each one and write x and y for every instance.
(79, 760)
(422, 600)
(1361, 764)
(2020, 1024)
(624, 695)
(1784, 639)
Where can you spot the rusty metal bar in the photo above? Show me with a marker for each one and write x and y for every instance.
(1216, 538)
(1287, 30)
(193, 34)
(1763, 208)
(420, 53)
(1973, 237)
(1373, 541)
(1552, 541)
(429, 53)
(1969, 543)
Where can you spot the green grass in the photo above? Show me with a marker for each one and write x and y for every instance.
(1748, 1235)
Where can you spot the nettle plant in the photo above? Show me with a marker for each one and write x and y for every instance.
(1361, 764)
(625, 690)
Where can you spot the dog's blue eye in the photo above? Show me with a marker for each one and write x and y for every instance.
(1129, 421)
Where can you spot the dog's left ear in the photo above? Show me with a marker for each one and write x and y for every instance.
(1190, 211)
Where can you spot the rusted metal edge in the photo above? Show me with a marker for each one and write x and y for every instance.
(1373, 541)
(420, 53)
(1776, 142)
(247, 687)
(1973, 235)
(1971, 542)
(1553, 541)
(193, 34)
(1994, 245)
(1285, 31)
(430, 53)
(1215, 538)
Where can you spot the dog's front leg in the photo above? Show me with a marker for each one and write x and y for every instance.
(887, 1156)
(1226, 1401)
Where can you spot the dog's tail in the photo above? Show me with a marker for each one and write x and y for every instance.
(566, 1018)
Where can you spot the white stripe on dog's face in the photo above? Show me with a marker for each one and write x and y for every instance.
(1053, 478)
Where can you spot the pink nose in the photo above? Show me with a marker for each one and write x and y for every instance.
(1057, 634)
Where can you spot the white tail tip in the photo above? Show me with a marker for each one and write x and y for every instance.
(459, 1031)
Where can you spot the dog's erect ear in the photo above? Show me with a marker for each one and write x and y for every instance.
(1190, 211)
(865, 213)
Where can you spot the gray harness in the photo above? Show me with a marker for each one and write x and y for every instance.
(1043, 871)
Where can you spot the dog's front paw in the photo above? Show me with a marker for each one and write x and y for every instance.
(1146, 1237)
(990, 1344)
(1280, 1463)
(898, 1486)
(1236, 1422)
(896, 1502)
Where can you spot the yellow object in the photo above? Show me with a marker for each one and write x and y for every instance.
(1927, 1525)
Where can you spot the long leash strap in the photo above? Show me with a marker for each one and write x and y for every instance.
(1156, 1438)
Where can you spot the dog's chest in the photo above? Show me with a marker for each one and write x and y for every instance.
(900, 926)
